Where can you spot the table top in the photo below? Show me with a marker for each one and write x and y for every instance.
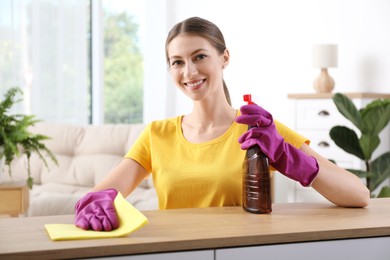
(202, 228)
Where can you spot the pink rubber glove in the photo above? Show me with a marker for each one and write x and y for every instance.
(96, 211)
(284, 157)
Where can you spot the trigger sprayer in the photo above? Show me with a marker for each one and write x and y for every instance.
(256, 181)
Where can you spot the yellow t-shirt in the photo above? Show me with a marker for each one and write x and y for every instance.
(188, 175)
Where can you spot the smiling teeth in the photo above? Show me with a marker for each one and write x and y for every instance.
(191, 85)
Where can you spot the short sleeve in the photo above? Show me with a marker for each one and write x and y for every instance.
(140, 151)
(290, 136)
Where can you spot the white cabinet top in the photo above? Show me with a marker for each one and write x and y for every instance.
(329, 95)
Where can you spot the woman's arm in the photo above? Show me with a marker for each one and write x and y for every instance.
(124, 178)
(336, 184)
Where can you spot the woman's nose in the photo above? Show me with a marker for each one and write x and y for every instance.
(190, 69)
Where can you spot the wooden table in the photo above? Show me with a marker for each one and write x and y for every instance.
(298, 229)
(14, 198)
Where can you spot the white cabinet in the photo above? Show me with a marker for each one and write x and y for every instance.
(356, 249)
(314, 119)
(314, 116)
(187, 255)
(322, 250)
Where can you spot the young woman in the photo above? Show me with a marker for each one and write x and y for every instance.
(196, 159)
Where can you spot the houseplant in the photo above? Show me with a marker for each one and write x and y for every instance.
(370, 121)
(15, 138)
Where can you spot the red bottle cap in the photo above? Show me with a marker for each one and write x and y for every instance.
(248, 98)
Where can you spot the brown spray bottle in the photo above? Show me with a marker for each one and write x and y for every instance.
(256, 181)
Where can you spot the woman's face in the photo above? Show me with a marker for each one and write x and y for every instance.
(196, 66)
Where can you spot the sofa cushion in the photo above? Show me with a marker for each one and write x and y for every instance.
(60, 199)
(85, 154)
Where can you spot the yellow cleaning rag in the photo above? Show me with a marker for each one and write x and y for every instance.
(130, 219)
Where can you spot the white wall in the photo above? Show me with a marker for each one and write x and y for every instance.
(270, 47)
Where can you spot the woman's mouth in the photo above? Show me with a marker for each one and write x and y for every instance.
(195, 84)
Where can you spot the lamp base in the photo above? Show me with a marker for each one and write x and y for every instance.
(323, 83)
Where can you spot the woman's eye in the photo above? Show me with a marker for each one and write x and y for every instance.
(201, 56)
(176, 63)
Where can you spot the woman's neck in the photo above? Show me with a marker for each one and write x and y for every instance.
(211, 114)
(207, 121)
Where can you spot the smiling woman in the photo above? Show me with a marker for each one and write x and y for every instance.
(196, 159)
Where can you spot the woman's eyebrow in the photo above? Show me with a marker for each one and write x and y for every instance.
(198, 50)
(194, 52)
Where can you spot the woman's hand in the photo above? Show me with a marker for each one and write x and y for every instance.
(96, 211)
(284, 157)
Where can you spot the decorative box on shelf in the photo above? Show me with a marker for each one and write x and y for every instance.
(14, 198)
(314, 115)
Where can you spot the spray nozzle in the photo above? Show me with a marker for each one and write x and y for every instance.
(248, 98)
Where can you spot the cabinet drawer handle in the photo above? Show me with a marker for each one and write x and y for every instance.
(323, 144)
(323, 113)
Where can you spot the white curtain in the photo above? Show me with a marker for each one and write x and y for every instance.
(44, 51)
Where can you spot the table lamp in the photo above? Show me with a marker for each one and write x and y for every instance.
(324, 56)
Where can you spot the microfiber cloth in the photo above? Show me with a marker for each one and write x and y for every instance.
(130, 220)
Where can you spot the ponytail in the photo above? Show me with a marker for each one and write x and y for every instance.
(227, 95)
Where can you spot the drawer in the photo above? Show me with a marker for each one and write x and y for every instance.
(319, 114)
(324, 145)
(10, 201)
(14, 198)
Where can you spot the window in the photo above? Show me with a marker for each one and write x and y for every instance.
(123, 61)
(46, 50)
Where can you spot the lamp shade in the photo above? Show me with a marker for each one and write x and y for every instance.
(324, 56)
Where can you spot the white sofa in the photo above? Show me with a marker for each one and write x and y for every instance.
(85, 155)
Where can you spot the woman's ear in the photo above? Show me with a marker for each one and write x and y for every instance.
(225, 58)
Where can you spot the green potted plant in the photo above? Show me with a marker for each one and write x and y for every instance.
(15, 138)
(370, 121)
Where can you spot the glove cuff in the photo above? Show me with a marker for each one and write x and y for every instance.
(297, 165)
(311, 174)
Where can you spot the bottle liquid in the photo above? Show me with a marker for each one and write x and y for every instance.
(256, 182)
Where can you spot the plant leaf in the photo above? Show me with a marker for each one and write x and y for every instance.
(347, 140)
(368, 145)
(375, 116)
(385, 192)
(378, 102)
(30, 182)
(333, 161)
(380, 168)
(360, 173)
(348, 109)
(15, 138)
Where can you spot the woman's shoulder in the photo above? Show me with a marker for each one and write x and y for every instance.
(165, 124)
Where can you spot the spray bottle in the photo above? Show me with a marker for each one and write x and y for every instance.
(256, 182)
